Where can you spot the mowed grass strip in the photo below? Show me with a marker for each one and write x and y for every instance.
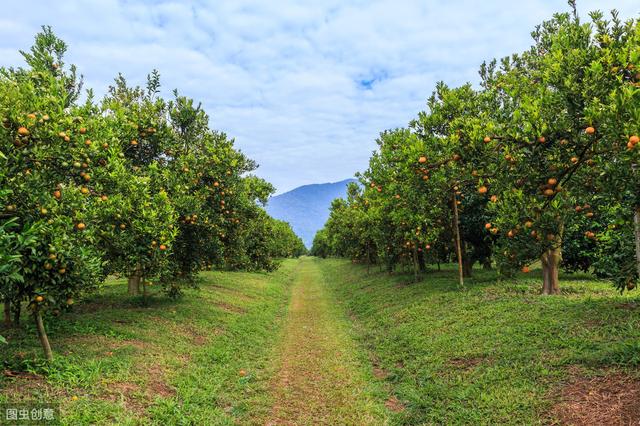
(198, 360)
(496, 352)
(320, 376)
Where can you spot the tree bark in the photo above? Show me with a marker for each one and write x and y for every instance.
(17, 309)
(415, 263)
(486, 263)
(550, 266)
(636, 223)
(7, 313)
(42, 334)
(456, 227)
(133, 282)
(467, 267)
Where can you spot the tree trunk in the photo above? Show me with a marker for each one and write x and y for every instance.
(42, 334)
(133, 282)
(421, 262)
(7, 313)
(636, 222)
(467, 267)
(17, 308)
(456, 227)
(415, 263)
(486, 263)
(550, 265)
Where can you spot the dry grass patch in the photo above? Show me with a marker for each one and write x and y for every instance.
(604, 400)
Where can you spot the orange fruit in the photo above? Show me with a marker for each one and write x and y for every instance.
(23, 131)
(634, 140)
(81, 226)
(526, 269)
(487, 226)
(83, 130)
(422, 160)
(163, 247)
(39, 299)
(482, 189)
(590, 130)
(487, 139)
(552, 181)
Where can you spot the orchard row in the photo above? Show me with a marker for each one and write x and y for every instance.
(537, 164)
(132, 185)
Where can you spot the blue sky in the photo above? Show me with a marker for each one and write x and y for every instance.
(303, 87)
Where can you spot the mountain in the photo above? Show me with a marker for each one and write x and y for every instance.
(306, 208)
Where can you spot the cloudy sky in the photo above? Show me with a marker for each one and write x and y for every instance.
(303, 87)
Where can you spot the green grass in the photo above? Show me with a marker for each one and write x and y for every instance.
(493, 353)
(166, 362)
(353, 347)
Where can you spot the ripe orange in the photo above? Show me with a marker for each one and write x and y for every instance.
(590, 130)
(589, 214)
(494, 230)
(422, 160)
(482, 189)
(84, 190)
(218, 184)
(542, 139)
(31, 116)
(634, 140)
(83, 130)
(425, 177)
(57, 194)
(548, 192)
(81, 226)
(526, 269)
(104, 197)
(487, 226)
(39, 299)
(494, 198)
(62, 134)
(397, 196)
(123, 226)
(23, 131)
(87, 142)
(487, 139)
(163, 247)
(105, 145)
(574, 160)
(62, 271)
(67, 138)
(552, 181)
(134, 142)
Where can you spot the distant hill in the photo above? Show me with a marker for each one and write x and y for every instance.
(306, 208)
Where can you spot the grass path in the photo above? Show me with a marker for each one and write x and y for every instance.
(321, 376)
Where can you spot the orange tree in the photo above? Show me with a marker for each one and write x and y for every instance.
(136, 213)
(547, 138)
(42, 141)
(616, 188)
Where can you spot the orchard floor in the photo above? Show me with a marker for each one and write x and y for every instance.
(322, 341)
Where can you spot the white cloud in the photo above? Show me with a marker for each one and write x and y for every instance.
(283, 78)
